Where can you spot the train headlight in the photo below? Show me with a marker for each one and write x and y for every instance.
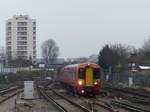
(82, 91)
(80, 82)
(95, 83)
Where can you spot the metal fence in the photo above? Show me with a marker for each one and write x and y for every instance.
(143, 80)
(8, 70)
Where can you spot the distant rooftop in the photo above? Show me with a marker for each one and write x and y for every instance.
(144, 67)
(57, 61)
(21, 17)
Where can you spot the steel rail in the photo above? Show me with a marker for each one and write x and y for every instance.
(129, 106)
(7, 98)
(110, 109)
(3, 89)
(143, 99)
(97, 102)
(73, 103)
(6, 91)
(128, 91)
(50, 99)
(137, 100)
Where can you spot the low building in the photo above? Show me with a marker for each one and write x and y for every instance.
(93, 59)
(144, 68)
(57, 61)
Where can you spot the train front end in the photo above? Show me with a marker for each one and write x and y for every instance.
(89, 79)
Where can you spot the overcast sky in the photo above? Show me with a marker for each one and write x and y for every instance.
(82, 27)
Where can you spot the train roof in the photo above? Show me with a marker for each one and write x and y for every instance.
(76, 65)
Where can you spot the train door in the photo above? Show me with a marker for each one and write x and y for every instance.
(89, 77)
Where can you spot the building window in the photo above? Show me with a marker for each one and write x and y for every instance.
(18, 38)
(21, 38)
(34, 28)
(34, 52)
(9, 53)
(34, 42)
(23, 57)
(9, 23)
(34, 38)
(8, 33)
(22, 23)
(34, 47)
(8, 38)
(21, 28)
(34, 23)
(9, 28)
(9, 48)
(22, 53)
(22, 42)
(22, 47)
(9, 43)
(22, 33)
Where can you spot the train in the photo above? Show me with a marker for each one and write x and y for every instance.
(84, 78)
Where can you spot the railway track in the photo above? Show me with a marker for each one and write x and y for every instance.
(125, 90)
(118, 106)
(3, 89)
(52, 100)
(9, 96)
(130, 107)
(62, 106)
(100, 104)
(94, 105)
(124, 105)
(138, 100)
(132, 96)
(8, 90)
(73, 103)
(9, 93)
(68, 95)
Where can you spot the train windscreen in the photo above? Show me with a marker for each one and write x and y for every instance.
(82, 73)
(96, 73)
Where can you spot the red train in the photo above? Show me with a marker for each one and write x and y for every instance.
(82, 78)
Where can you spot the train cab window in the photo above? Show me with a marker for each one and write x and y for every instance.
(96, 73)
(81, 73)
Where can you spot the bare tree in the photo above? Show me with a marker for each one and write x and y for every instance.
(50, 51)
(144, 53)
(20, 62)
(146, 45)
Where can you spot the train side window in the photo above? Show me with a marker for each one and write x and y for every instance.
(64, 73)
(81, 73)
(96, 73)
(70, 74)
(73, 75)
